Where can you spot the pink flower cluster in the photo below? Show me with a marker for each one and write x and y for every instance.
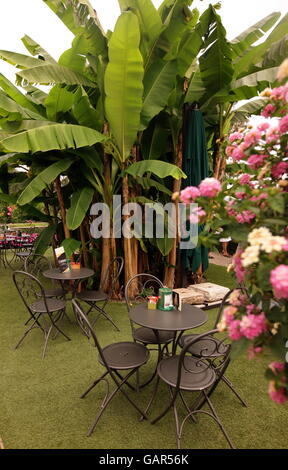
(209, 187)
(245, 217)
(10, 211)
(276, 388)
(280, 93)
(256, 160)
(189, 194)
(268, 111)
(196, 215)
(279, 169)
(283, 125)
(245, 179)
(277, 394)
(250, 326)
(279, 281)
(238, 267)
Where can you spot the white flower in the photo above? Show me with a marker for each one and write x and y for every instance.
(230, 267)
(258, 236)
(250, 256)
(222, 325)
(273, 244)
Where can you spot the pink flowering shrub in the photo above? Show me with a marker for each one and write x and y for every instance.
(279, 281)
(251, 207)
(277, 387)
(209, 187)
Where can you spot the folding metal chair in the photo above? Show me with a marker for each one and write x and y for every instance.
(183, 373)
(94, 297)
(116, 358)
(205, 344)
(45, 313)
(36, 265)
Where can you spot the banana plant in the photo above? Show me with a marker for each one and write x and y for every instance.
(227, 72)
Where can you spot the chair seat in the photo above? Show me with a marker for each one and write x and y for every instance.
(147, 336)
(92, 296)
(53, 305)
(23, 254)
(57, 292)
(125, 355)
(201, 377)
(208, 346)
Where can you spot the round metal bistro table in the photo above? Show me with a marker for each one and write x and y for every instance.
(169, 320)
(75, 275)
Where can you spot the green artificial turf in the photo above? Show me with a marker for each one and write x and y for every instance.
(41, 408)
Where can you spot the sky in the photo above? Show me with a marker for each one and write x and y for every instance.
(33, 17)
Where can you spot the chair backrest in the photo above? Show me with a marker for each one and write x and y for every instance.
(88, 330)
(30, 290)
(112, 274)
(144, 285)
(212, 354)
(35, 265)
(224, 302)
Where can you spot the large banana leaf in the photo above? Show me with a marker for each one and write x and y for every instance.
(32, 213)
(189, 48)
(242, 42)
(92, 158)
(165, 245)
(70, 245)
(47, 74)
(277, 53)
(9, 158)
(268, 75)
(35, 95)
(159, 80)
(24, 125)
(35, 49)
(59, 100)
(255, 54)
(84, 112)
(216, 61)
(196, 90)
(123, 82)
(20, 60)
(8, 108)
(44, 239)
(8, 198)
(179, 20)
(15, 94)
(80, 17)
(148, 183)
(242, 113)
(154, 140)
(156, 167)
(53, 137)
(80, 203)
(149, 20)
(47, 176)
(75, 57)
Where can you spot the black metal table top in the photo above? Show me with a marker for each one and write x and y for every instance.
(72, 275)
(174, 320)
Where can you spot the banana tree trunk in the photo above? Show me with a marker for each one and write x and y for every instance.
(130, 245)
(169, 278)
(106, 242)
(62, 207)
(83, 243)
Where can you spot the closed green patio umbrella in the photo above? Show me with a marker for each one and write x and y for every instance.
(195, 165)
